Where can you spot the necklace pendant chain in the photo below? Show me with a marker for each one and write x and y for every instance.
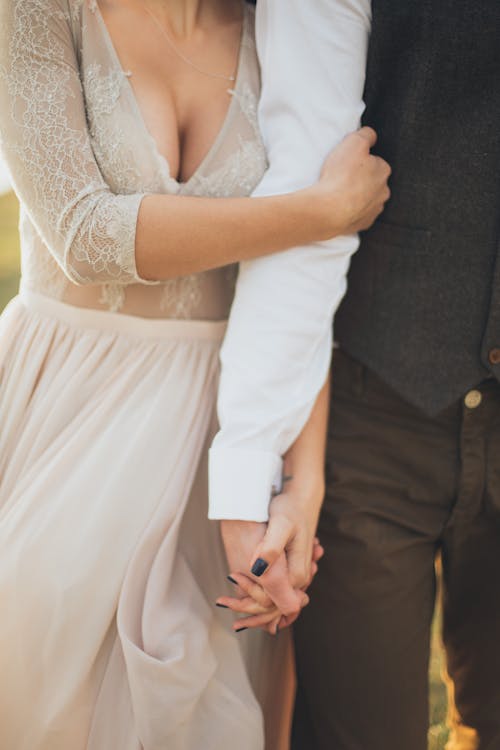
(182, 57)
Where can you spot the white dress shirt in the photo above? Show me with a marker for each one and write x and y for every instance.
(277, 350)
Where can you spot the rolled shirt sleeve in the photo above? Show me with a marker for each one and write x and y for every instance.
(277, 349)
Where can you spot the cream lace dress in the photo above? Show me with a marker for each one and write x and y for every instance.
(109, 638)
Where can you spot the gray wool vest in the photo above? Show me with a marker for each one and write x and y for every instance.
(422, 308)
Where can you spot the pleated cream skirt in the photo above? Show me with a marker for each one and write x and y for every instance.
(109, 638)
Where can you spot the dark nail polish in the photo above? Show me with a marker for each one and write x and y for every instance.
(239, 630)
(230, 578)
(222, 606)
(259, 567)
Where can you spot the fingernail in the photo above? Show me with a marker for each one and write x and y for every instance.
(239, 630)
(230, 578)
(223, 606)
(259, 567)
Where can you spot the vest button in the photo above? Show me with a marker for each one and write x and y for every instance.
(473, 399)
(494, 356)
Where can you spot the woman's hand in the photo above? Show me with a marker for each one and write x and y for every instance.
(283, 564)
(294, 514)
(293, 518)
(352, 189)
(241, 539)
(258, 608)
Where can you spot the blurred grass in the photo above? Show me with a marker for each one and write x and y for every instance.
(9, 248)
(438, 733)
(9, 279)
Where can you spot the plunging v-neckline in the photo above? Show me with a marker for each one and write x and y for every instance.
(133, 98)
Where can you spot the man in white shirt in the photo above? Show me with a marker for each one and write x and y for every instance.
(313, 59)
(414, 446)
(277, 350)
(284, 304)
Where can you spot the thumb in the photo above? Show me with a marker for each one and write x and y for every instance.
(277, 537)
(368, 134)
(299, 557)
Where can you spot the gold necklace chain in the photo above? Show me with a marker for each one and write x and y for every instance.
(182, 57)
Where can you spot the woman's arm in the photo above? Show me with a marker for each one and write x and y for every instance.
(97, 236)
(177, 235)
(294, 513)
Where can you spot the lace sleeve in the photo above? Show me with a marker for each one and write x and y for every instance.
(44, 139)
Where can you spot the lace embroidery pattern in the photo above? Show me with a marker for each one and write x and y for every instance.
(243, 169)
(239, 176)
(107, 133)
(112, 296)
(182, 295)
(90, 231)
(248, 102)
(70, 129)
(42, 268)
(106, 90)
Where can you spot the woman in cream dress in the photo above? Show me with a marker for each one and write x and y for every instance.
(109, 638)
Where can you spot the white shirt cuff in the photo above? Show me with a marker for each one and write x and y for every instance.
(242, 482)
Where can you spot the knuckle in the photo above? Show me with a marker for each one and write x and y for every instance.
(303, 582)
(300, 580)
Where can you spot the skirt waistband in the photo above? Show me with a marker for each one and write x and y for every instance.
(144, 328)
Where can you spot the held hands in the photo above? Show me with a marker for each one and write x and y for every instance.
(275, 562)
(352, 189)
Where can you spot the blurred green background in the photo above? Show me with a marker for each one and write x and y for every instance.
(9, 248)
(9, 279)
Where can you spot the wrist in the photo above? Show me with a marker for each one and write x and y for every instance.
(302, 479)
(230, 523)
(302, 500)
(312, 215)
(233, 530)
(308, 493)
(327, 211)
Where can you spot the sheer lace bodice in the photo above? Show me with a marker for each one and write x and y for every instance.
(82, 159)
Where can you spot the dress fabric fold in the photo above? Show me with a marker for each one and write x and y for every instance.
(103, 568)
